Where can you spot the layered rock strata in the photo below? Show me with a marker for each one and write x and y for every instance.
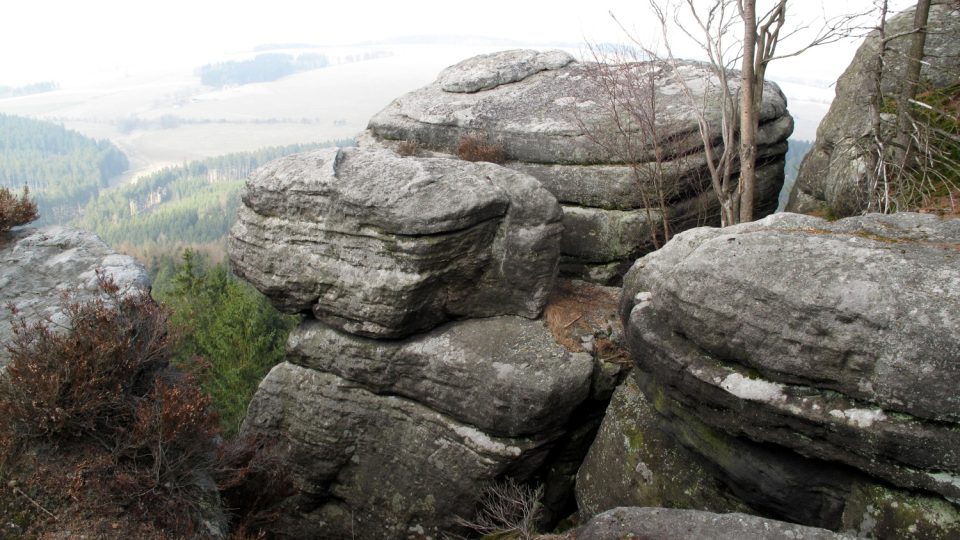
(417, 377)
(672, 524)
(812, 366)
(834, 174)
(384, 246)
(41, 269)
(551, 118)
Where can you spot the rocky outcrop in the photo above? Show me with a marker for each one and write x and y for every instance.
(833, 175)
(811, 365)
(668, 524)
(384, 246)
(418, 376)
(40, 268)
(548, 113)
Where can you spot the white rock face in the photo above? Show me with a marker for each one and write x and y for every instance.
(38, 267)
(491, 70)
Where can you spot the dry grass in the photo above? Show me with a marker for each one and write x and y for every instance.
(407, 148)
(578, 308)
(477, 148)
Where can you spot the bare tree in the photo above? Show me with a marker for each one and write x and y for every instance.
(627, 95)
(918, 156)
(507, 509)
(712, 26)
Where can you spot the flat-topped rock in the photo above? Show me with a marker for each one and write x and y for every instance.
(41, 269)
(544, 116)
(491, 70)
(380, 245)
(551, 118)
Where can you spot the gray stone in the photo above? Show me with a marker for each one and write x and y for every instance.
(545, 118)
(634, 461)
(41, 269)
(504, 375)
(381, 466)
(491, 70)
(552, 122)
(837, 341)
(833, 174)
(379, 245)
(673, 524)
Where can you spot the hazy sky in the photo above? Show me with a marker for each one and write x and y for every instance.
(63, 39)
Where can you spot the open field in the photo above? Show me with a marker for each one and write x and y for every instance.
(168, 117)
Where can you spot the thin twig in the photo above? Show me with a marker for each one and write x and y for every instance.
(35, 503)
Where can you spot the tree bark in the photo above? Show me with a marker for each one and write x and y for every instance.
(748, 119)
(911, 82)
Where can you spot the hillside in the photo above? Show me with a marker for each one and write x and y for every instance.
(192, 205)
(63, 168)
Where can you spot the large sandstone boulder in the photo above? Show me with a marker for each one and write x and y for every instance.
(812, 365)
(40, 269)
(384, 246)
(418, 376)
(833, 175)
(549, 114)
(668, 524)
(391, 438)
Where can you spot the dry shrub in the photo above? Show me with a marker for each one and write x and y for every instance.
(577, 308)
(88, 379)
(407, 148)
(98, 428)
(507, 509)
(16, 211)
(255, 485)
(476, 148)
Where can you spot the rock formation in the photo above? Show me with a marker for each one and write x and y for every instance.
(833, 175)
(384, 246)
(809, 367)
(39, 266)
(548, 114)
(418, 377)
(670, 524)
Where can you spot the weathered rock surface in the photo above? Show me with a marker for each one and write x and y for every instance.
(548, 114)
(669, 524)
(520, 381)
(813, 365)
(391, 438)
(380, 245)
(38, 267)
(833, 174)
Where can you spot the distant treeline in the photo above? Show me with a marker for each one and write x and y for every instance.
(190, 205)
(262, 68)
(169, 121)
(35, 88)
(62, 168)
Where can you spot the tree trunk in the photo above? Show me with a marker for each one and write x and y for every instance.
(748, 120)
(911, 81)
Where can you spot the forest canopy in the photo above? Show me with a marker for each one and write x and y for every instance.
(62, 168)
(262, 68)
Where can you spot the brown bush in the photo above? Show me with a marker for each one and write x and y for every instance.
(16, 211)
(66, 384)
(476, 148)
(407, 148)
(108, 440)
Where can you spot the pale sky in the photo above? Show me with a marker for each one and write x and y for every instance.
(59, 39)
